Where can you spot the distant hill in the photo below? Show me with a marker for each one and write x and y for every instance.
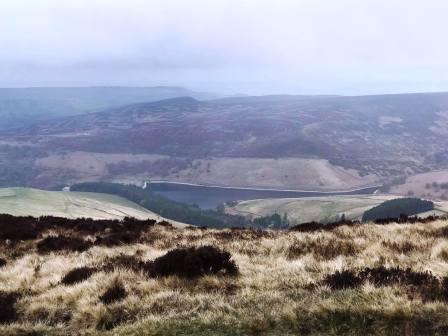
(284, 142)
(20, 106)
(269, 98)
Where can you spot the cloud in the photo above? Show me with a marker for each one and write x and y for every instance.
(344, 46)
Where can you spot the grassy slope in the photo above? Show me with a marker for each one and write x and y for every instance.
(34, 202)
(270, 297)
(320, 209)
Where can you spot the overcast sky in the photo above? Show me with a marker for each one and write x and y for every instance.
(234, 46)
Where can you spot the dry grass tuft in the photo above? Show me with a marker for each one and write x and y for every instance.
(405, 247)
(322, 248)
(123, 261)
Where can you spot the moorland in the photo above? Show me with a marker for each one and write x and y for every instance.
(71, 277)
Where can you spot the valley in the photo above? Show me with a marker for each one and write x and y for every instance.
(320, 143)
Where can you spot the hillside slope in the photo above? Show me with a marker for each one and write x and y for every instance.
(34, 202)
(303, 210)
(320, 209)
(352, 280)
(338, 141)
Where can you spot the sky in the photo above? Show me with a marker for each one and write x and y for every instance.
(236, 46)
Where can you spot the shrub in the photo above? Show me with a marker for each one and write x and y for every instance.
(123, 261)
(315, 226)
(443, 255)
(165, 223)
(404, 219)
(441, 232)
(61, 243)
(115, 292)
(308, 227)
(8, 311)
(114, 316)
(444, 289)
(78, 274)
(424, 284)
(93, 226)
(18, 228)
(381, 276)
(342, 280)
(243, 234)
(193, 262)
(118, 238)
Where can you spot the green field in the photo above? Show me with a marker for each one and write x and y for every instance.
(319, 209)
(35, 202)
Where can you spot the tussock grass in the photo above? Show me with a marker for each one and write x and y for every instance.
(357, 279)
(323, 248)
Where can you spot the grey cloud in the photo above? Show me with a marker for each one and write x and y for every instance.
(257, 46)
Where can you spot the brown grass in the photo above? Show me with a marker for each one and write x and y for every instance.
(362, 279)
(323, 248)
